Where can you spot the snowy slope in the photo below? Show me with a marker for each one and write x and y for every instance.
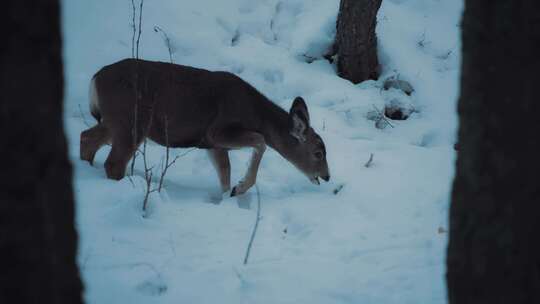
(376, 241)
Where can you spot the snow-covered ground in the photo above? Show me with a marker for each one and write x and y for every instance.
(378, 240)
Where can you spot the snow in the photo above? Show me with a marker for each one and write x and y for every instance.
(375, 241)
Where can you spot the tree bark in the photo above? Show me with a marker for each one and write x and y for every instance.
(494, 248)
(38, 240)
(356, 41)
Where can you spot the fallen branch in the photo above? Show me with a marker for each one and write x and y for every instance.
(368, 164)
(382, 117)
(248, 250)
(338, 188)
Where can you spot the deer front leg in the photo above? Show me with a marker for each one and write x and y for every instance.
(220, 160)
(234, 139)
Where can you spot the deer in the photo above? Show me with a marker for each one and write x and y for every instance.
(180, 106)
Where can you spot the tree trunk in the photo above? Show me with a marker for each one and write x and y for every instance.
(494, 249)
(38, 241)
(356, 41)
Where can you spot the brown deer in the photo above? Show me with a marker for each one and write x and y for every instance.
(182, 106)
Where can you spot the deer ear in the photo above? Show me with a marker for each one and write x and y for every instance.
(299, 119)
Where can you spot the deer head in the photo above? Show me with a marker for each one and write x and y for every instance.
(307, 151)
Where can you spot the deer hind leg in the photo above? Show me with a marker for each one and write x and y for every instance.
(91, 140)
(234, 138)
(123, 148)
(220, 160)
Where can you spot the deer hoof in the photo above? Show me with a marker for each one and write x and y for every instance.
(238, 190)
(113, 171)
(241, 188)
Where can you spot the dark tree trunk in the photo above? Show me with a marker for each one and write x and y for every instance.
(494, 250)
(38, 241)
(356, 41)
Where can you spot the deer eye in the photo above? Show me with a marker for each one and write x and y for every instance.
(319, 155)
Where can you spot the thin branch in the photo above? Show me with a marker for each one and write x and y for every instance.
(368, 164)
(83, 117)
(134, 29)
(166, 39)
(131, 181)
(338, 188)
(422, 42)
(383, 117)
(135, 85)
(248, 250)
(135, 121)
(140, 25)
(148, 174)
(132, 166)
(167, 164)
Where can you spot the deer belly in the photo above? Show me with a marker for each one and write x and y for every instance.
(180, 137)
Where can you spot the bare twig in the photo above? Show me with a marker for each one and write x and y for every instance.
(338, 188)
(382, 116)
(134, 130)
(148, 173)
(162, 178)
(370, 160)
(248, 250)
(166, 39)
(83, 117)
(137, 93)
(134, 29)
(131, 181)
(422, 42)
(187, 152)
(132, 166)
(135, 54)
(166, 165)
(140, 25)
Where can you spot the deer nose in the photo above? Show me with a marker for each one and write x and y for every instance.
(326, 178)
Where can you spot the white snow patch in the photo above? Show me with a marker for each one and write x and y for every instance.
(375, 241)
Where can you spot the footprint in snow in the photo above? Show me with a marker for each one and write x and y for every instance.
(243, 201)
(152, 287)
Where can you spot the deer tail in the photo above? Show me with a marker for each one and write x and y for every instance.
(94, 100)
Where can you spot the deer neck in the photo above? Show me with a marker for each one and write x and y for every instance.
(276, 130)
